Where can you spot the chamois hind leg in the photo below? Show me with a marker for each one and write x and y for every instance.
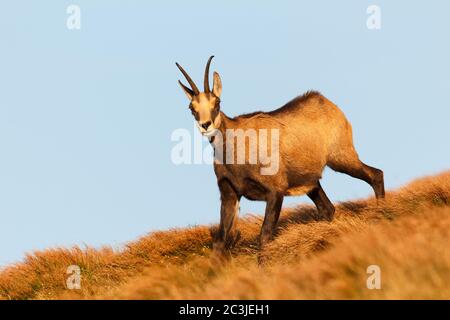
(274, 202)
(323, 204)
(354, 167)
(273, 208)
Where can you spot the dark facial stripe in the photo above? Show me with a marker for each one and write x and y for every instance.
(215, 110)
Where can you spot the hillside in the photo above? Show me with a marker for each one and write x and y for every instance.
(407, 236)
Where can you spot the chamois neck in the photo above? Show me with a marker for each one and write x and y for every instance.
(225, 122)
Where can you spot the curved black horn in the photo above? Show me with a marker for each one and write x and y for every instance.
(191, 83)
(206, 79)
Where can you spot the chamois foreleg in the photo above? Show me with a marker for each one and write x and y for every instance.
(227, 235)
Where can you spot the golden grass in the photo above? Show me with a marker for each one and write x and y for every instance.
(407, 236)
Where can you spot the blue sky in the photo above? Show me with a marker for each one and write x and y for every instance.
(86, 115)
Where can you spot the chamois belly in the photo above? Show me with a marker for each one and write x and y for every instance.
(253, 190)
(298, 191)
(250, 189)
(302, 183)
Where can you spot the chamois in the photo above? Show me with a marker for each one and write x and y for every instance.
(313, 133)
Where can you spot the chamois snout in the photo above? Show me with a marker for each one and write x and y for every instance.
(205, 125)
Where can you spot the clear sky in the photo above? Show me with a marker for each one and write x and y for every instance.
(86, 115)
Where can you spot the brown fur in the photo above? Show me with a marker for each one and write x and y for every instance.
(313, 133)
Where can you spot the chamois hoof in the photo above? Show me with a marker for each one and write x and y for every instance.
(262, 259)
(220, 254)
(233, 239)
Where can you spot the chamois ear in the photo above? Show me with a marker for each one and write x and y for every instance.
(189, 93)
(217, 85)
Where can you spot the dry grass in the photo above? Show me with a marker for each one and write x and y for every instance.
(407, 236)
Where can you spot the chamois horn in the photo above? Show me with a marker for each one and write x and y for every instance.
(206, 79)
(191, 83)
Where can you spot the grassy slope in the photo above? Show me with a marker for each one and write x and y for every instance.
(407, 235)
